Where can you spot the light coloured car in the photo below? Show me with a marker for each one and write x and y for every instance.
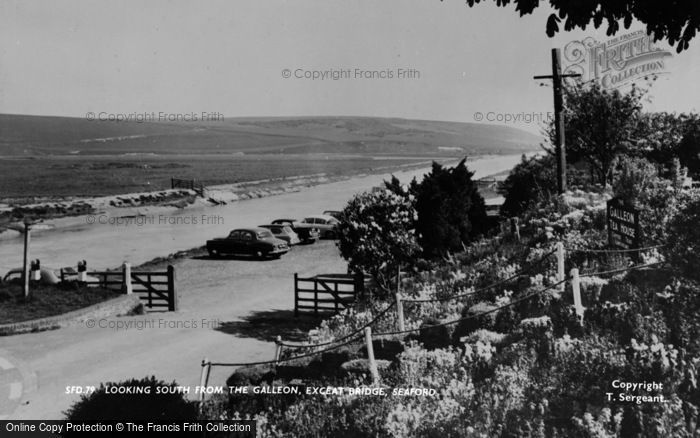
(283, 232)
(327, 225)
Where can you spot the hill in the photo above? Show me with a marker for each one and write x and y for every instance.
(22, 135)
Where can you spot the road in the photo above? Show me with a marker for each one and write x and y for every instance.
(230, 310)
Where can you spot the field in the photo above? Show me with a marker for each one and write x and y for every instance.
(64, 176)
(57, 156)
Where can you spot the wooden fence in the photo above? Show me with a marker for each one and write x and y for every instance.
(155, 289)
(189, 184)
(326, 293)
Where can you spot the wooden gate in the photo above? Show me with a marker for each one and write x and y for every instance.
(155, 289)
(326, 293)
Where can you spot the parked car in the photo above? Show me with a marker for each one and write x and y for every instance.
(283, 232)
(335, 213)
(258, 242)
(306, 234)
(327, 225)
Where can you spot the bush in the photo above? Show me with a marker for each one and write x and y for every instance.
(149, 406)
(531, 181)
(634, 176)
(683, 242)
(451, 212)
(376, 234)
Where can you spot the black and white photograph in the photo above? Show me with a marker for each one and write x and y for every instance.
(395, 219)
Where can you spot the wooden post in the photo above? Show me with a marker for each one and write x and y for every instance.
(561, 274)
(278, 349)
(296, 294)
(127, 287)
(399, 313)
(370, 356)
(576, 286)
(557, 83)
(203, 381)
(515, 228)
(36, 270)
(25, 270)
(315, 297)
(173, 304)
(82, 271)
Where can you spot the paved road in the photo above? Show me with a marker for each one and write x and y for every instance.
(230, 309)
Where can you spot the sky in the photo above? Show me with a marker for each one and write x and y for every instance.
(71, 57)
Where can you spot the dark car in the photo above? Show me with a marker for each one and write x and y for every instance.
(306, 234)
(258, 242)
(283, 232)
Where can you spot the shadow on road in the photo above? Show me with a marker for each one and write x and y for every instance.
(267, 325)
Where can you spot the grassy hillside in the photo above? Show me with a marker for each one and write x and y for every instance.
(49, 157)
(37, 135)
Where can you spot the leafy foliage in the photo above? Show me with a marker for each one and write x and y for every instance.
(377, 233)
(531, 180)
(601, 125)
(677, 25)
(683, 246)
(451, 212)
(154, 406)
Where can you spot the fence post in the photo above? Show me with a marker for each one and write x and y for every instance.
(370, 356)
(296, 294)
(126, 279)
(82, 271)
(203, 381)
(359, 283)
(315, 297)
(515, 228)
(278, 349)
(35, 270)
(172, 292)
(399, 312)
(576, 286)
(561, 274)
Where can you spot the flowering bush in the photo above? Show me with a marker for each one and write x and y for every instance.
(377, 234)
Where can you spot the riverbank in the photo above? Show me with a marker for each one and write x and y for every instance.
(106, 239)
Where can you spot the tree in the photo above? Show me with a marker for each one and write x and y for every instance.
(601, 125)
(689, 149)
(665, 137)
(531, 180)
(377, 233)
(676, 23)
(450, 209)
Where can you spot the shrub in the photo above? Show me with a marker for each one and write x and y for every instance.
(451, 212)
(532, 180)
(633, 177)
(166, 405)
(683, 243)
(376, 234)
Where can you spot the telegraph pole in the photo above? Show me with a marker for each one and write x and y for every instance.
(25, 270)
(556, 78)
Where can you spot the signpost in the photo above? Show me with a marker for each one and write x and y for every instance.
(623, 226)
